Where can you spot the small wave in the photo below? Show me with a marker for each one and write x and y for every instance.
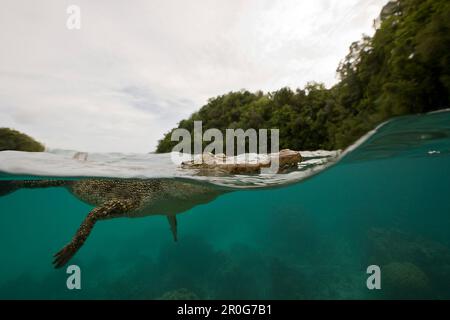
(410, 135)
(407, 136)
(63, 164)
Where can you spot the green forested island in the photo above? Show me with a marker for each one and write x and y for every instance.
(15, 140)
(404, 68)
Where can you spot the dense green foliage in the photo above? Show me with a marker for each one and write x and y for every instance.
(404, 68)
(15, 140)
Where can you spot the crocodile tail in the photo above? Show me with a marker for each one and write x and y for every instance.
(7, 187)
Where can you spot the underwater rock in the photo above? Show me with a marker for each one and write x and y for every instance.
(404, 280)
(241, 274)
(286, 281)
(179, 294)
(209, 163)
(386, 246)
(408, 247)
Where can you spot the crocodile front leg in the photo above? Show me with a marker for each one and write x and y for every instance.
(110, 209)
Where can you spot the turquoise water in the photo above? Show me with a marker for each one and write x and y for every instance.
(385, 203)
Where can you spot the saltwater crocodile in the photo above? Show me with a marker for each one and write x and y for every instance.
(113, 198)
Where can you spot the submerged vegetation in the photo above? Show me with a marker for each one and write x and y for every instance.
(404, 68)
(15, 140)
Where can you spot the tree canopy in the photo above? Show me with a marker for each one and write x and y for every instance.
(404, 68)
(15, 140)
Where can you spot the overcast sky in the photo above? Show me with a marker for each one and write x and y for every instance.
(136, 68)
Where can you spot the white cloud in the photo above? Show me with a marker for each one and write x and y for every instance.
(136, 68)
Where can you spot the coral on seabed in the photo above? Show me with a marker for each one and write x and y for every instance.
(404, 280)
(419, 256)
(387, 245)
